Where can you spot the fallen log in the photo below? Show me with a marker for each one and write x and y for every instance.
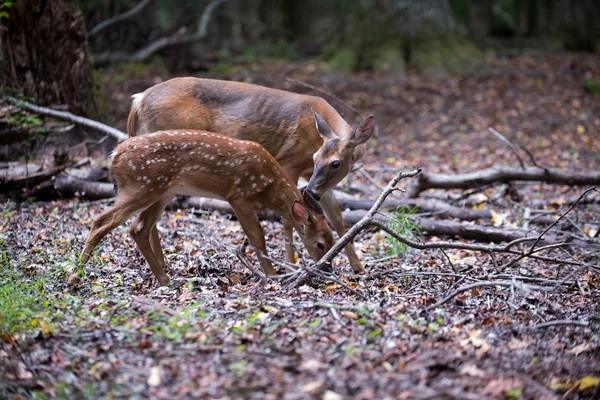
(501, 174)
(433, 206)
(480, 233)
(67, 186)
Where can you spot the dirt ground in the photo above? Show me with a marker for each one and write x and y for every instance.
(219, 332)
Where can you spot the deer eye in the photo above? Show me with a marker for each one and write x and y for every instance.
(335, 164)
(320, 246)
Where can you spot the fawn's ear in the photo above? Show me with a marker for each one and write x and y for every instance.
(300, 212)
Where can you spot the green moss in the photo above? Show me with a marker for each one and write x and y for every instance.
(440, 57)
(389, 59)
(344, 59)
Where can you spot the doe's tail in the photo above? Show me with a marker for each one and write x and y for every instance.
(133, 122)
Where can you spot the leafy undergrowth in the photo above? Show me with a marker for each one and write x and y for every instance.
(217, 331)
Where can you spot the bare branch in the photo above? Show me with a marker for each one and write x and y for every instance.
(561, 217)
(67, 116)
(559, 322)
(113, 20)
(366, 220)
(178, 37)
(504, 140)
(465, 288)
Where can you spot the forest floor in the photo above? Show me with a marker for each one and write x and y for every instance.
(219, 332)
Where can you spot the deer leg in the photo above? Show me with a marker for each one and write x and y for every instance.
(105, 223)
(142, 232)
(290, 253)
(334, 214)
(255, 234)
(156, 247)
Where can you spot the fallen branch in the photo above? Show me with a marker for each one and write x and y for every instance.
(67, 116)
(481, 284)
(113, 20)
(366, 220)
(560, 322)
(501, 174)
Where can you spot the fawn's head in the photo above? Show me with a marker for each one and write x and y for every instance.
(335, 157)
(312, 227)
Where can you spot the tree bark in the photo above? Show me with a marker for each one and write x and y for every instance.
(45, 55)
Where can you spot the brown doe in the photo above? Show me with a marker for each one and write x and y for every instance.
(151, 169)
(304, 133)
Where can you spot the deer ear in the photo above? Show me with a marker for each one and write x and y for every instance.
(363, 131)
(322, 126)
(300, 212)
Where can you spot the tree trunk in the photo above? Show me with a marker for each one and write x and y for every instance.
(45, 56)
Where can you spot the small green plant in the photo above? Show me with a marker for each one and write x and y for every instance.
(24, 304)
(591, 86)
(514, 394)
(239, 367)
(404, 226)
(4, 7)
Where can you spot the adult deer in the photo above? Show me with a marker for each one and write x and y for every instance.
(317, 145)
(151, 169)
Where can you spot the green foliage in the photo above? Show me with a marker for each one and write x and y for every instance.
(388, 58)
(514, 394)
(4, 6)
(344, 59)
(175, 327)
(438, 57)
(23, 299)
(405, 227)
(591, 86)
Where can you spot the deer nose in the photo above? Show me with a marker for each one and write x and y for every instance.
(313, 194)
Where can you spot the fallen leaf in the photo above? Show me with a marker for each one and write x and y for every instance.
(471, 370)
(587, 382)
(313, 387)
(330, 395)
(179, 214)
(350, 314)
(579, 349)
(518, 344)
(154, 378)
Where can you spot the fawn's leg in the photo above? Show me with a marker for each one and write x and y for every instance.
(142, 230)
(255, 234)
(105, 223)
(334, 214)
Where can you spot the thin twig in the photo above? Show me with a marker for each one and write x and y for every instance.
(370, 178)
(593, 188)
(113, 20)
(504, 140)
(366, 220)
(462, 289)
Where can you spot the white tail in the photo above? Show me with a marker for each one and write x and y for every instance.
(282, 122)
(151, 169)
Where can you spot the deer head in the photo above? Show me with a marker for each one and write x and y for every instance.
(313, 230)
(335, 157)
